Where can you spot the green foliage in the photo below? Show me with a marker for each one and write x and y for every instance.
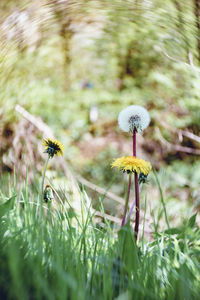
(53, 258)
(5, 207)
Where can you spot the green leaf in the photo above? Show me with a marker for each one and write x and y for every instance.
(6, 206)
(128, 249)
(192, 220)
(174, 230)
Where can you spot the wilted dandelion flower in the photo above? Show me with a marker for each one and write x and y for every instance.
(53, 147)
(48, 193)
(133, 117)
(142, 178)
(132, 164)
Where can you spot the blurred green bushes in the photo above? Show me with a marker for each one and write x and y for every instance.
(109, 54)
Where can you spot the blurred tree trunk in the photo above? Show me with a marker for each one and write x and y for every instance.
(124, 66)
(181, 27)
(63, 15)
(197, 15)
(125, 58)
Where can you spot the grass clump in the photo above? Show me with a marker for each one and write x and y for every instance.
(53, 258)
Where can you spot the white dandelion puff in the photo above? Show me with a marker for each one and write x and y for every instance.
(134, 117)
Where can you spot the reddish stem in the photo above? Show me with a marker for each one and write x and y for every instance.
(137, 196)
(137, 204)
(127, 200)
(134, 143)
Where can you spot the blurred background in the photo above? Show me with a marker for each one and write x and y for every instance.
(68, 67)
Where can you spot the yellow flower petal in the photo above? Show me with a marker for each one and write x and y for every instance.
(53, 147)
(132, 164)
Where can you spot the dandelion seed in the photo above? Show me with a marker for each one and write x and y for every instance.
(132, 164)
(133, 118)
(53, 147)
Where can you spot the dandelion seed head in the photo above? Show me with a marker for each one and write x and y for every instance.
(133, 117)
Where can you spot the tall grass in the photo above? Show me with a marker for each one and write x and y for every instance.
(65, 257)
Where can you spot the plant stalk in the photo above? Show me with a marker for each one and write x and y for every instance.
(127, 201)
(43, 175)
(134, 142)
(137, 195)
(137, 203)
(132, 208)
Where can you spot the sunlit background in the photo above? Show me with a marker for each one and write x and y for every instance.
(67, 68)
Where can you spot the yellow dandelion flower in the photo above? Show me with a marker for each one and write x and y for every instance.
(53, 147)
(132, 164)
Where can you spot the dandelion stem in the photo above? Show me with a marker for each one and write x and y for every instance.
(134, 143)
(43, 175)
(127, 201)
(137, 195)
(132, 208)
(137, 202)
